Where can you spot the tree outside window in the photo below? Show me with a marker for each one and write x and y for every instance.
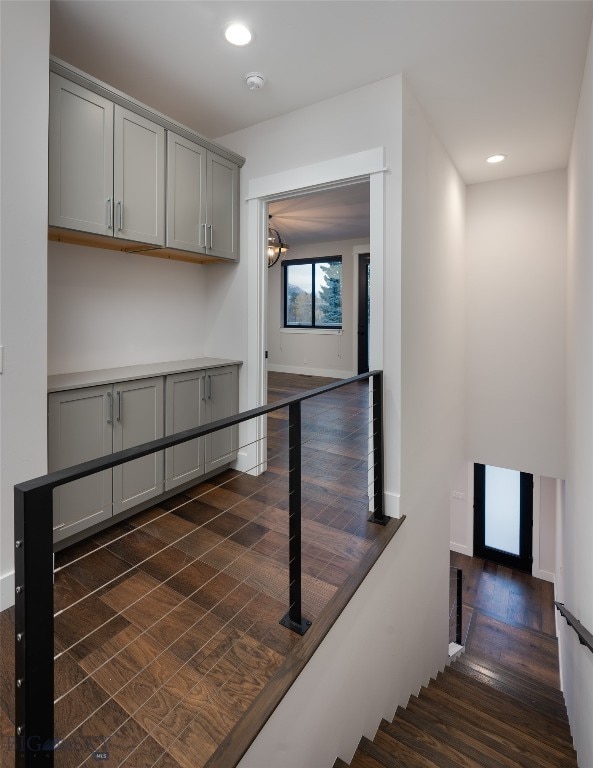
(313, 293)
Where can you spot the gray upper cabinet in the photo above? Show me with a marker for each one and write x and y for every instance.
(139, 178)
(202, 200)
(186, 194)
(223, 208)
(106, 167)
(80, 158)
(79, 430)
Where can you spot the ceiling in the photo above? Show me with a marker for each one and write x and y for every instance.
(492, 76)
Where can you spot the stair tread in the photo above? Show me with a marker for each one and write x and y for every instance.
(469, 741)
(398, 754)
(437, 751)
(340, 763)
(524, 678)
(512, 728)
(482, 733)
(549, 727)
(518, 688)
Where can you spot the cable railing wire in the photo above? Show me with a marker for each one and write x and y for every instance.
(35, 496)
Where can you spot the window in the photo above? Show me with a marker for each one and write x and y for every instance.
(313, 293)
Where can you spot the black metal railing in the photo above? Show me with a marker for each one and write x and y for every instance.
(585, 637)
(34, 601)
(456, 605)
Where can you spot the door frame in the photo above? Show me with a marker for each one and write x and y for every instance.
(524, 560)
(348, 169)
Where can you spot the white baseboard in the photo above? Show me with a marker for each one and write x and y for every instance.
(6, 590)
(306, 370)
(544, 575)
(391, 504)
(463, 549)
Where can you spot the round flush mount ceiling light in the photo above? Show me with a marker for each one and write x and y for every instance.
(237, 34)
(496, 158)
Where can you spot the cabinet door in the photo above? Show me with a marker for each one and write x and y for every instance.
(223, 207)
(184, 409)
(139, 178)
(138, 418)
(222, 399)
(80, 158)
(79, 429)
(186, 194)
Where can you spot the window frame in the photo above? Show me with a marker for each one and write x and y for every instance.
(312, 262)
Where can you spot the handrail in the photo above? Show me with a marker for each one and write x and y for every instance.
(33, 534)
(585, 637)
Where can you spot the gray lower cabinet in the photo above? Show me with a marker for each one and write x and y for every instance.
(192, 399)
(87, 423)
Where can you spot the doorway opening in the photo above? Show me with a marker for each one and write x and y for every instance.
(503, 516)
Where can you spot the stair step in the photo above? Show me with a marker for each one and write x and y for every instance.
(522, 683)
(482, 734)
(340, 763)
(392, 753)
(519, 726)
(422, 742)
(513, 671)
(452, 731)
(549, 726)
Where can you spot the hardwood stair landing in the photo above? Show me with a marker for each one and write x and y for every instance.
(477, 712)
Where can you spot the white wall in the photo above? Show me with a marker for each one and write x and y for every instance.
(323, 721)
(24, 55)
(107, 309)
(516, 251)
(575, 535)
(316, 352)
(433, 345)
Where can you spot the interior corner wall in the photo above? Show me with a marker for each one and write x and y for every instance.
(575, 530)
(325, 719)
(24, 52)
(317, 353)
(108, 309)
(433, 346)
(516, 267)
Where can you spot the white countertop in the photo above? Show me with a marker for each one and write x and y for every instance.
(62, 381)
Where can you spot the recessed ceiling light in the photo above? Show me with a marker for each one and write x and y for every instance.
(237, 34)
(496, 158)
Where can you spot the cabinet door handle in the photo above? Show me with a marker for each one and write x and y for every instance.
(209, 387)
(119, 404)
(204, 389)
(120, 215)
(110, 403)
(211, 237)
(205, 238)
(109, 213)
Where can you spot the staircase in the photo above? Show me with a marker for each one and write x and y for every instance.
(476, 713)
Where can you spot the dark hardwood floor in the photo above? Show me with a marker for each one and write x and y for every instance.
(166, 628)
(509, 617)
(166, 625)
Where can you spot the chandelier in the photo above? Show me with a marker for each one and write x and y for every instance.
(276, 246)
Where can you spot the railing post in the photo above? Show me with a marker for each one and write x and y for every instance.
(459, 617)
(293, 619)
(378, 515)
(34, 627)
